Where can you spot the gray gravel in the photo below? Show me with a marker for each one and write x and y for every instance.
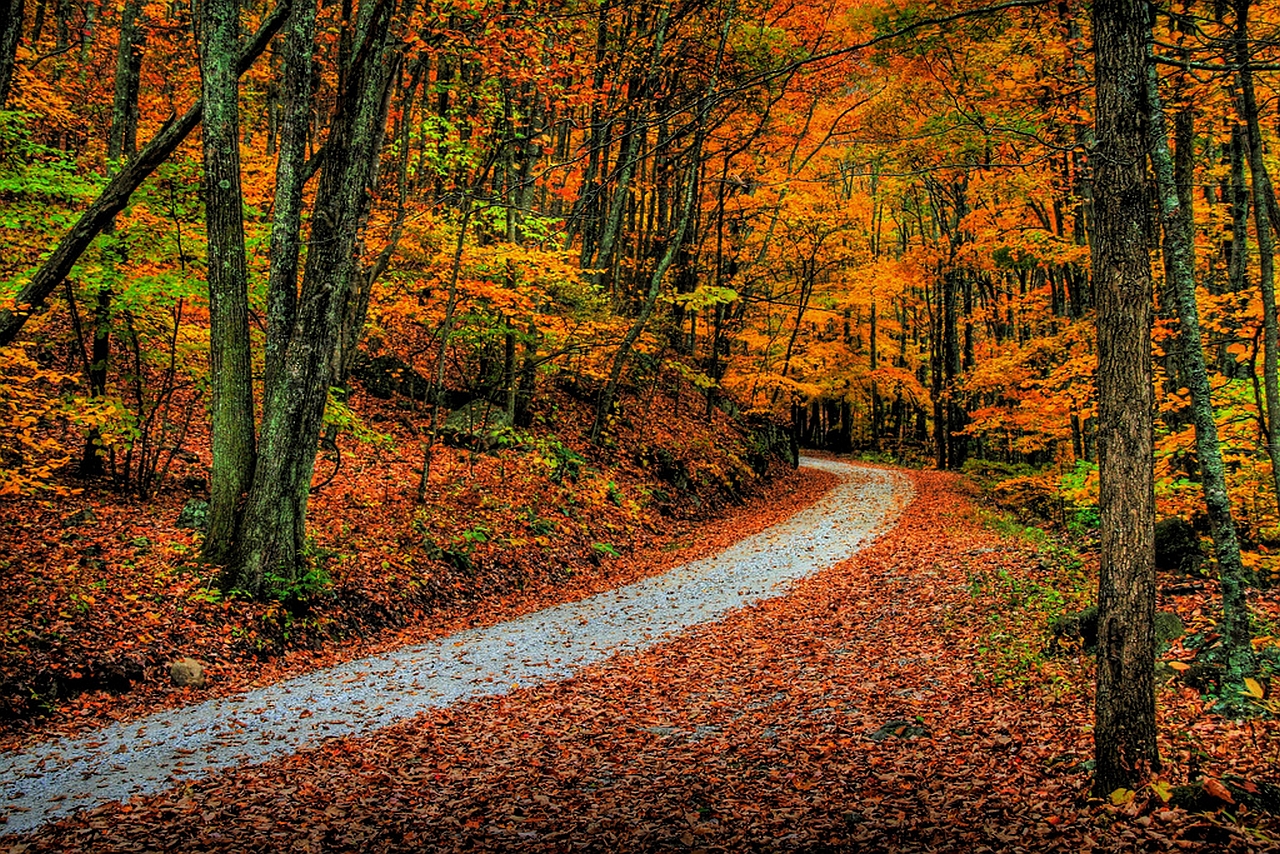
(54, 778)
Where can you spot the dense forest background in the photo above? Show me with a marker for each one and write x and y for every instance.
(512, 256)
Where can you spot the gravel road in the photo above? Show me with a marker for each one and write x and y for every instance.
(52, 779)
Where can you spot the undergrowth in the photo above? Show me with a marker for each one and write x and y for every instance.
(1022, 602)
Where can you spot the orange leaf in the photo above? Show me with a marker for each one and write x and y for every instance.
(1219, 791)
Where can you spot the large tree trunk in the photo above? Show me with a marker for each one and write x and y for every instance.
(1125, 727)
(1180, 263)
(231, 403)
(116, 195)
(271, 544)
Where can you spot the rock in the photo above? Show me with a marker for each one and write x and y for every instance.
(84, 517)
(195, 514)
(386, 376)
(899, 729)
(187, 672)
(1169, 628)
(477, 425)
(1177, 547)
(1079, 628)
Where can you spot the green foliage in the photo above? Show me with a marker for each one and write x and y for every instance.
(339, 415)
(29, 170)
(1023, 604)
(704, 297)
(1009, 527)
(312, 582)
(562, 462)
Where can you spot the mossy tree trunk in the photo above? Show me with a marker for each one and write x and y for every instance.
(1180, 264)
(230, 375)
(291, 170)
(271, 543)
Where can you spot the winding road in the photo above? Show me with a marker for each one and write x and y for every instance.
(51, 780)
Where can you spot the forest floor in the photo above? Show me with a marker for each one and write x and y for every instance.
(902, 700)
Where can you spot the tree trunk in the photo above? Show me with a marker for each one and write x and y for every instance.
(1180, 262)
(1125, 727)
(123, 139)
(10, 35)
(271, 543)
(116, 195)
(291, 175)
(1261, 185)
(1238, 263)
(230, 371)
(91, 461)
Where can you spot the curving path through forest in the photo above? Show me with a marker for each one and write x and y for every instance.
(53, 779)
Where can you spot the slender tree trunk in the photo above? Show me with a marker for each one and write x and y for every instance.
(1238, 266)
(1261, 184)
(10, 36)
(445, 331)
(231, 379)
(91, 462)
(1235, 628)
(115, 196)
(123, 138)
(1125, 727)
(957, 442)
(291, 175)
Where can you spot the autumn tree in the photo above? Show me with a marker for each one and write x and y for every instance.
(271, 541)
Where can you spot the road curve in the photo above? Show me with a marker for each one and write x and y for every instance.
(52, 779)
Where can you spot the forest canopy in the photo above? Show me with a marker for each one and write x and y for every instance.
(869, 221)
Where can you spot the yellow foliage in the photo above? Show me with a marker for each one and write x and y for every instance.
(29, 404)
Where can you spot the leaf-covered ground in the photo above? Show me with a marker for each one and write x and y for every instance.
(897, 702)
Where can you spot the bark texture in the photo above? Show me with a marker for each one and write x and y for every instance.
(231, 402)
(1125, 728)
(1237, 633)
(271, 549)
(291, 174)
